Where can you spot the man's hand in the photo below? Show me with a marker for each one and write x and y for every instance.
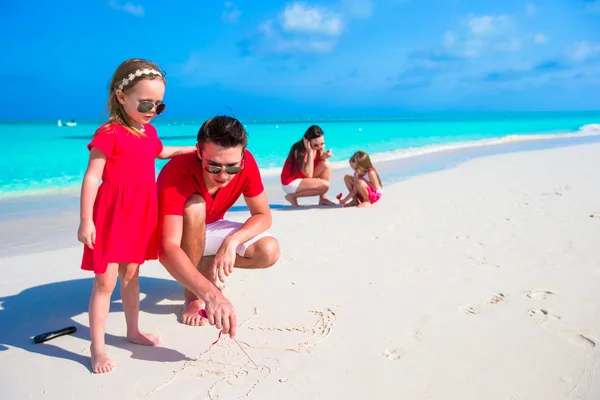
(224, 261)
(220, 312)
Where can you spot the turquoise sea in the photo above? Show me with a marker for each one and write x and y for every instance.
(39, 157)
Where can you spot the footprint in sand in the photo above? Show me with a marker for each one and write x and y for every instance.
(476, 308)
(396, 352)
(545, 317)
(542, 315)
(393, 353)
(579, 338)
(539, 294)
(557, 191)
(576, 337)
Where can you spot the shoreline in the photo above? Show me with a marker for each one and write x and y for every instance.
(43, 223)
(589, 130)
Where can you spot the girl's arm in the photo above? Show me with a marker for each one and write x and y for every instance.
(374, 179)
(172, 151)
(352, 193)
(89, 190)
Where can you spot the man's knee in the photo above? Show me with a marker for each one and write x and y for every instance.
(266, 252)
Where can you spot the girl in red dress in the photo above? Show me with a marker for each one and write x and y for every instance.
(119, 217)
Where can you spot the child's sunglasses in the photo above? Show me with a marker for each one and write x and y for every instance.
(217, 169)
(147, 106)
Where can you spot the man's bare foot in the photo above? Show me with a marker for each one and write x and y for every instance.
(145, 339)
(190, 313)
(324, 201)
(101, 363)
(293, 201)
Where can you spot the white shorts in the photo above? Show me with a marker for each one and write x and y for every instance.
(292, 187)
(219, 230)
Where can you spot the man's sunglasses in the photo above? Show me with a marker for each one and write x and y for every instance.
(147, 106)
(217, 169)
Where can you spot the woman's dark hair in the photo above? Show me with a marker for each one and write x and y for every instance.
(298, 151)
(223, 131)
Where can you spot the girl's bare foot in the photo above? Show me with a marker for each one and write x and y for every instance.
(292, 200)
(353, 203)
(324, 201)
(365, 204)
(190, 313)
(145, 339)
(101, 363)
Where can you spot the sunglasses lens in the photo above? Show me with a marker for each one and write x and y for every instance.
(213, 170)
(233, 170)
(160, 108)
(145, 106)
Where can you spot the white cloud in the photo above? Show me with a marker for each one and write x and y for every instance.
(357, 8)
(540, 38)
(483, 34)
(585, 51)
(299, 17)
(304, 28)
(270, 39)
(530, 10)
(489, 24)
(133, 9)
(231, 13)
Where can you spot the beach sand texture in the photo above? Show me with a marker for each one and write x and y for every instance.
(478, 282)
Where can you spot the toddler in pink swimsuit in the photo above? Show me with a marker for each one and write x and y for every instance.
(364, 186)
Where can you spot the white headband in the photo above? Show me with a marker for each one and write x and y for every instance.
(136, 74)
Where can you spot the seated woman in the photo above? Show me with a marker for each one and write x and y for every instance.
(306, 171)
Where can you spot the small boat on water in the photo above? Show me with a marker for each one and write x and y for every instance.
(72, 123)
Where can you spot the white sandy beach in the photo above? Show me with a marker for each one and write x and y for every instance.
(478, 282)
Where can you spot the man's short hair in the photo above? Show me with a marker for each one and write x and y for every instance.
(223, 131)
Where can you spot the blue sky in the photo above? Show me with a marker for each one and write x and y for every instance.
(342, 57)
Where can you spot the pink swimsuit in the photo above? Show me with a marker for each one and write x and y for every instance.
(374, 195)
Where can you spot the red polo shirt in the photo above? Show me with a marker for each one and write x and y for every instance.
(181, 177)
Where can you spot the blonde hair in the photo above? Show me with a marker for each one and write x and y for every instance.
(361, 160)
(125, 78)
